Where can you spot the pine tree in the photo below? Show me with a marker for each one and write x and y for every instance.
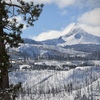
(10, 33)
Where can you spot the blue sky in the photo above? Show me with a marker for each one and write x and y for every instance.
(59, 16)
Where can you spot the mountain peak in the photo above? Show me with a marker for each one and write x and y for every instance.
(78, 36)
(76, 27)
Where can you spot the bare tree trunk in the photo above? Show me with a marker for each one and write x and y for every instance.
(4, 80)
(4, 59)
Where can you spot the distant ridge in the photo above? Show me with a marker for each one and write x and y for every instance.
(30, 41)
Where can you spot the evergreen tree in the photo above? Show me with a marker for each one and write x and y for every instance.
(10, 33)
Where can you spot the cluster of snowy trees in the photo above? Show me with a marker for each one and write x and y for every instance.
(56, 90)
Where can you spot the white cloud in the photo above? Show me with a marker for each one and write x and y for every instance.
(90, 21)
(64, 3)
(91, 17)
(47, 35)
(95, 30)
(53, 33)
(59, 3)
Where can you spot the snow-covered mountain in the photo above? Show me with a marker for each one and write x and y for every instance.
(75, 43)
(76, 36)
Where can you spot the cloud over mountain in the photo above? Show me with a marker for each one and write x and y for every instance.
(53, 33)
(91, 17)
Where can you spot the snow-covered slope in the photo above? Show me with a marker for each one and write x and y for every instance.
(45, 51)
(57, 84)
(76, 36)
(54, 41)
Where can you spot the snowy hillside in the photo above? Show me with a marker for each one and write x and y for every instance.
(76, 36)
(45, 52)
(85, 47)
(58, 85)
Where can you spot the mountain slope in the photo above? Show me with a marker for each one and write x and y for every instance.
(54, 41)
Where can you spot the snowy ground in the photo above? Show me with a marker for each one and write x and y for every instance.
(58, 85)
